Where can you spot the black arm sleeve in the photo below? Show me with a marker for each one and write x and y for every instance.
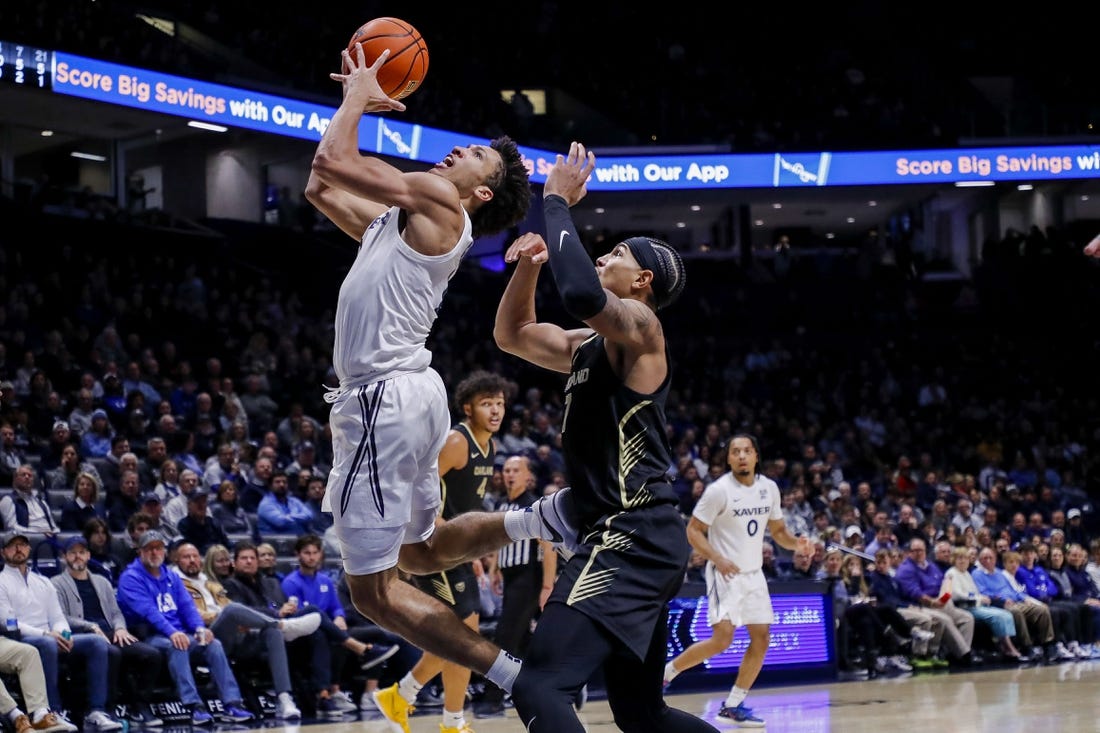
(581, 292)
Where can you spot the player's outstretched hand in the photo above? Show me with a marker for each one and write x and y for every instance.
(362, 80)
(1092, 249)
(569, 176)
(529, 245)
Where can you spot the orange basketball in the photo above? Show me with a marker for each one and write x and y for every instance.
(404, 70)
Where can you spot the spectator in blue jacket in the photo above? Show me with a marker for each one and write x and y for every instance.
(154, 598)
(920, 582)
(1034, 626)
(281, 513)
(1072, 620)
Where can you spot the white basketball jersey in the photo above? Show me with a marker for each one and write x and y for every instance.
(388, 302)
(738, 516)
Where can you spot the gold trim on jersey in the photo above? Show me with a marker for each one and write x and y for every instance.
(442, 588)
(631, 451)
(470, 435)
(590, 584)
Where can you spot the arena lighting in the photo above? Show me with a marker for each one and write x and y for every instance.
(1024, 187)
(88, 156)
(973, 184)
(207, 126)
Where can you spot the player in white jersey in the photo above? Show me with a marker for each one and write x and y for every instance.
(727, 528)
(389, 415)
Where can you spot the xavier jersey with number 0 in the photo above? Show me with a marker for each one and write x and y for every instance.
(737, 516)
(388, 302)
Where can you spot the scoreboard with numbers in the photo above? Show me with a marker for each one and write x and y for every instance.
(25, 65)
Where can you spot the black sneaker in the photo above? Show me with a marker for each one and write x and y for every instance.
(489, 709)
(580, 698)
(376, 654)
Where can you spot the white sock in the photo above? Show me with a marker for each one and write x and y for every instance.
(408, 687)
(670, 672)
(14, 713)
(39, 714)
(504, 671)
(453, 720)
(736, 697)
(522, 524)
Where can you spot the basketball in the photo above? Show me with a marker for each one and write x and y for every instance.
(404, 70)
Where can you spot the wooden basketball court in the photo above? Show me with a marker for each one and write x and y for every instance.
(1062, 698)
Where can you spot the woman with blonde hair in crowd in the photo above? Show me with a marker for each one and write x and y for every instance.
(217, 563)
(84, 504)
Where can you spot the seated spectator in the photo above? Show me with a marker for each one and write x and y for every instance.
(264, 594)
(154, 507)
(64, 476)
(281, 513)
(89, 604)
(155, 599)
(926, 630)
(226, 619)
(1064, 620)
(223, 468)
(1058, 574)
(1034, 627)
(96, 441)
(257, 484)
(125, 503)
(12, 456)
(106, 560)
(229, 514)
(25, 508)
(802, 567)
(83, 506)
(176, 508)
(958, 582)
(315, 494)
(198, 527)
(167, 486)
(1040, 585)
(269, 561)
(22, 660)
(1082, 589)
(920, 581)
(217, 563)
(892, 631)
(32, 599)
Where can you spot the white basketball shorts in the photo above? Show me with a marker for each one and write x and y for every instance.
(383, 489)
(742, 599)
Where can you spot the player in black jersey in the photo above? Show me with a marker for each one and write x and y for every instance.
(609, 607)
(465, 470)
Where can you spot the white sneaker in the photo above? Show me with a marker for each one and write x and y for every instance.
(299, 626)
(1064, 653)
(1079, 651)
(920, 634)
(900, 663)
(101, 721)
(343, 702)
(287, 710)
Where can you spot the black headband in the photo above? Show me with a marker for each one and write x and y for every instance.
(665, 264)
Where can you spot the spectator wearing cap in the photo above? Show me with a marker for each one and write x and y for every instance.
(96, 442)
(51, 452)
(89, 604)
(85, 503)
(32, 599)
(64, 476)
(1075, 528)
(305, 459)
(154, 507)
(198, 527)
(853, 536)
(26, 508)
(154, 600)
(281, 513)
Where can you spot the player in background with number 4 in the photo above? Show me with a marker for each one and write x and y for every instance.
(727, 528)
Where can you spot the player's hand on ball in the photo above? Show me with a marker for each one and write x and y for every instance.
(530, 245)
(569, 176)
(362, 79)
